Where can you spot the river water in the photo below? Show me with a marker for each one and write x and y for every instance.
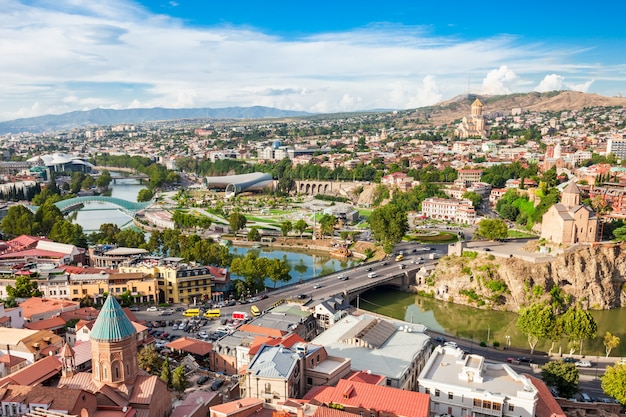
(480, 325)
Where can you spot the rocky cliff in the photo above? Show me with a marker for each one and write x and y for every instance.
(591, 276)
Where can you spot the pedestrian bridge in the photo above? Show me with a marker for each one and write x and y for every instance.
(129, 207)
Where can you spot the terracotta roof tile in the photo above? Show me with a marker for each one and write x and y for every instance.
(367, 378)
(266, 331)
(331, 412)
(195, 346)
(547, 406)
(34, 373)
(237, 406)
(47, 324)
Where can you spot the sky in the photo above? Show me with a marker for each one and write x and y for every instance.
(323, 56)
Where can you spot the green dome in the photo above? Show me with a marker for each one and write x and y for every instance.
(112, 323)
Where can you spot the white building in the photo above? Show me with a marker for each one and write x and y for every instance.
(465, 385)
(461, 211)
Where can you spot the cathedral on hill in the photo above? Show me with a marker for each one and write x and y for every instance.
(473, 125)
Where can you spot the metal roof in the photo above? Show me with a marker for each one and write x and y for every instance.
(112, 324)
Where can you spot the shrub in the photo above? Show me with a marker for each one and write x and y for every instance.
(496, 344)
(466, 270)
(470, 254)
(483, 344)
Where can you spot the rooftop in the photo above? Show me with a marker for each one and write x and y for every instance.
(112, 324)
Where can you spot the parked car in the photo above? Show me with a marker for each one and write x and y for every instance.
(440, 339)
(569, 360)
(153, 308)
(263, 296)
(583, 364)
(302, 296)
(202, 380)
(217, 384)
(134, 308)
(451, 344)
(524, 359)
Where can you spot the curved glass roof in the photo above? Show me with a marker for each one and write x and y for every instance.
(112, 323)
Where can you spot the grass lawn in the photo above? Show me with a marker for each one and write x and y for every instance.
(442, 237)
(517, 234)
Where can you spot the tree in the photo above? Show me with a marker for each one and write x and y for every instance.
(535, 322)
(300, 226)
(474, 197)
(614, 382)
(254, 235)
(166, 372)
(46, 216)
(327, 224)
(561, 375)
(237, 221)
(149, 360)
(286, 227)
(145, 194)
(579, 325)
(64, 231)
(492, 229)
(277, 270)
(24, 288)
(18, 221)
(610, 342)
(104, 179)
(179, 380)
(130, 238)
(389, 224)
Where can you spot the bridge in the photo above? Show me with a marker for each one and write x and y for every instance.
(401, 279)
(128, 207)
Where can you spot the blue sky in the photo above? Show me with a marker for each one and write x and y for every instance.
(323, 56)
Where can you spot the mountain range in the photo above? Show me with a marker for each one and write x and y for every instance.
(441, 113)
(107, 117)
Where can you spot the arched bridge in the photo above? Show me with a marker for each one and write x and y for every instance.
(401, 279)
(71, 204)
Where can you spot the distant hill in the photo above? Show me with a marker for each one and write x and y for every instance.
(105, 117)
(459, 106)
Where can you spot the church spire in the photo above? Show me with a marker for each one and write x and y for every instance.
(68, 361)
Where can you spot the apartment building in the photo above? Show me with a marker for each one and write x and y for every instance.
(455, 210)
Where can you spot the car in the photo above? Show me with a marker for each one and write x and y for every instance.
(384, 263)
(402, 266)
(263, 296)
(134, 308)
(153, 308)
(569, 360)
(202, 380)
(231, 303)
(439, 339)
(164, 335)
(203, 335)
(253, 299)
(524, 359)
(372, 275)
(369, 269)
(217, 384)
(487, 250)
(302, 296)
(317, 286)
(451, 344)
(510, 360)
(343, 277)
(180, 308)
(583, 364)
(175, 326)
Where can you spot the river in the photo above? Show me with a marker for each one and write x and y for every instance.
(482, 325)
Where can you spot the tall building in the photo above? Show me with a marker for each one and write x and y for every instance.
(617, 146)
(474, 125)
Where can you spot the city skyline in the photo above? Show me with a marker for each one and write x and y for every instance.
(322, 57)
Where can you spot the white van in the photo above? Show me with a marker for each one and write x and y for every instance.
(372, 275)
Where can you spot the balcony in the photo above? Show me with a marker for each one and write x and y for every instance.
(487, 411)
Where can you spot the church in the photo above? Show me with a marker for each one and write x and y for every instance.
(474, 125)
(570, 222)
(116, 379)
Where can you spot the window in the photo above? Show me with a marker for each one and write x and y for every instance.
(487, 404)
(477, 402)
(450, 396)
(511, 407)
(426, 390)
(85, 292)
(268, 388)
(309, 381)
(437, 393)
(497, 406)
(75, 292)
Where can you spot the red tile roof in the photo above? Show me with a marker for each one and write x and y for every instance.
(11, 360)
(367, 378)
(265, 331)
(34, 373)
(331, 412)
(36, 253)
(36, 305)
(47, 324)
(547, 406)
(392, 401)
(237, 406)
(195, 346)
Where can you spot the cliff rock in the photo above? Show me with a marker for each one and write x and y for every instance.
(591, 276)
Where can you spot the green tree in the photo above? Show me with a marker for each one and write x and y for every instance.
(18, 221)
(24, 288)
(145, 194)
(285, 228)
(614, 382)
(579, 325)
(166, 372)
(327, 224)
(237, 221)
(252, 269)
(179, 380)
(149, 360)
(474, 197)
(492, 229)
(46, 216)
(254, 235)
(65, 231)
(389, 224)
(610, 342)
(104, 179)
(106, 234)
(277, 271)
(535, 322)
(130, 238)
(561, 375)
(285, 185)
(300, 226)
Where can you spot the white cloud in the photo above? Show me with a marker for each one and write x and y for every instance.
(67, 55)
(500, 81)
(583, 87)
(552, 82)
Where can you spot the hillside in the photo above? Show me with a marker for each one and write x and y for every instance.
(592, 276)
(459, 106)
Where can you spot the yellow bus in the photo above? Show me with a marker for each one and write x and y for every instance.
(399, 257)
(212, 314)
(254, 310)
(191, 312)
